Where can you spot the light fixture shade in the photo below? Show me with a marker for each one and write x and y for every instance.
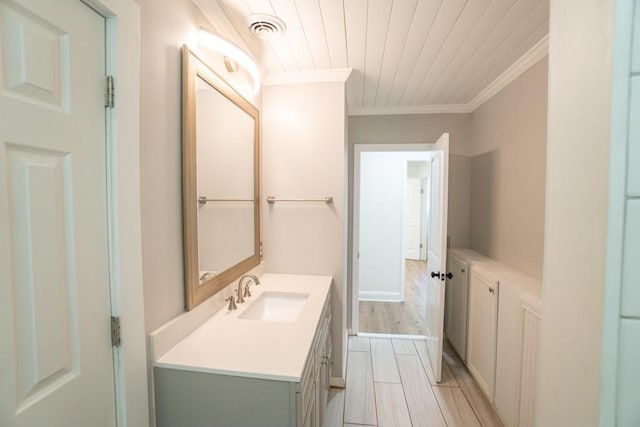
(226, 48)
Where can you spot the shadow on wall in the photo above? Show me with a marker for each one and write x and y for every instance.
(459, 215)
(484, 189)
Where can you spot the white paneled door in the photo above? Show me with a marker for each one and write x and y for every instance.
(56, 364)
(437, 252)
(412, 218)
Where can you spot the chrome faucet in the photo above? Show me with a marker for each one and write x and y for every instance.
(241, 295)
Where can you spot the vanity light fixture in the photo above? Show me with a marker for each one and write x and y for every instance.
(233, 52)
(231, 65)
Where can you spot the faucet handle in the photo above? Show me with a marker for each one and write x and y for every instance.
(232, 303)
(247, 292)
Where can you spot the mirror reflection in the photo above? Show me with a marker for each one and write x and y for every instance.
(220, 182)
(224, 164)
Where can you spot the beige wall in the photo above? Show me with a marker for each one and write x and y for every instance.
(303, 156)
(163, 31)
(411, 129)
(508, 137)
(580, 55)
(424, 129)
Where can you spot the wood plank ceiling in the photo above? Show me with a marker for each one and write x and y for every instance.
(405, 54)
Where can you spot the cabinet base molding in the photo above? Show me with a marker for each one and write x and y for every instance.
(337, 382)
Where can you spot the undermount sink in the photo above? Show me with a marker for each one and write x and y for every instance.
(276, 307)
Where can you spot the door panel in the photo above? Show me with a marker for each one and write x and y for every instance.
(412, 219)
(57, 365)
(483, 323)
(437, 252)
(456, 305)
(424, 217)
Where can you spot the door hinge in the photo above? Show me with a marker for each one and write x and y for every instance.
(421, 246)
(115, 331)
(422, 191)
(109, 92)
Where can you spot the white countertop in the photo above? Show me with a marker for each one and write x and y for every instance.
(228, 345)
(527, 284)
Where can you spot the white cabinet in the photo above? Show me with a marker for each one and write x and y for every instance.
(455, 320)
(516, 355)
(483, 320)
(504, 312)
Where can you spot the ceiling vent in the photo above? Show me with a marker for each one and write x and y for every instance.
(266, 27)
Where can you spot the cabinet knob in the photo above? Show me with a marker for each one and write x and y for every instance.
(462, 270)
(491, 291)
(449, 275)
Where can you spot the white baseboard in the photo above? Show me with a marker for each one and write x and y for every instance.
(391, 336)
(380, 296)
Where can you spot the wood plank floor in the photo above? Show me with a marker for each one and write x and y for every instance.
(406, 318)
(390, 383)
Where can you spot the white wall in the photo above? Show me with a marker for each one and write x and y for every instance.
(303, 156)
(383, 177)
(580, 76)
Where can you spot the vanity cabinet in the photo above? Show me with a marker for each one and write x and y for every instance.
(317, 372)
(483, 324)
(455, 318)
(201, 394)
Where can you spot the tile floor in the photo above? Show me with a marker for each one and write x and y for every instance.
(390, 383)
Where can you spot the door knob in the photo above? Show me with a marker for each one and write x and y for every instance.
(434, 274)
(449, 275)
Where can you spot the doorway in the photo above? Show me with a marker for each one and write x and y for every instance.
(391, 218)
(392, 284)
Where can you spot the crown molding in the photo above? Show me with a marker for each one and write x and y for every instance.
(409, 109)
(526, 61)
(307, 76)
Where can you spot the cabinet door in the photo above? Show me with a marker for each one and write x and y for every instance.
(481, 343)
(455, 324)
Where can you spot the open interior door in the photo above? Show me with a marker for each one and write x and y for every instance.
(437, 252)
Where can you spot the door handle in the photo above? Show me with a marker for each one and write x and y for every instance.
(449, 275)
(434, 274)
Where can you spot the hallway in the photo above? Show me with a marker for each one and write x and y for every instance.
(390, 383)
(405, 318)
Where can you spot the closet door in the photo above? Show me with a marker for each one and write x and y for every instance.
(483, 319)
(455, 325)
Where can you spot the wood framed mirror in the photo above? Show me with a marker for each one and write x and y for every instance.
(220, 181)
